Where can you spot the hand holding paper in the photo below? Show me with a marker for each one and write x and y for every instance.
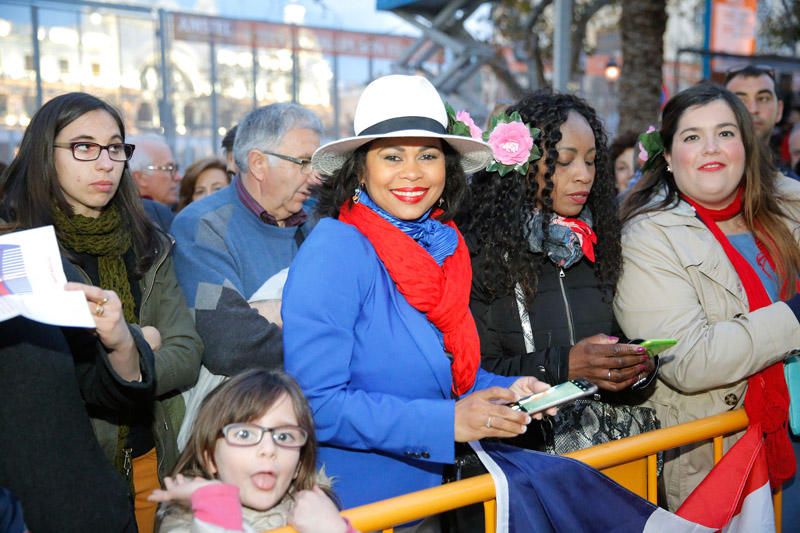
(32, 281)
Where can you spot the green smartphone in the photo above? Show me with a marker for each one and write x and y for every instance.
(656, 346)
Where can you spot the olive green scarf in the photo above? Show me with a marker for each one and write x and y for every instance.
(106, 238)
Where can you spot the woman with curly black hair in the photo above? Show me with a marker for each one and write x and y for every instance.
(546, 256)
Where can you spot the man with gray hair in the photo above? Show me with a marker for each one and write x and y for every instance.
(234, 247)
(154, 169)
(156, 176)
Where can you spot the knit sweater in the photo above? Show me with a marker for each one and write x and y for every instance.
(224, 253)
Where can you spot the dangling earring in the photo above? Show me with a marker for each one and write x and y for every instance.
(441, 202)
(357, 194)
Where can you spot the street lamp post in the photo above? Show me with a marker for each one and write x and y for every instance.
(612, 72)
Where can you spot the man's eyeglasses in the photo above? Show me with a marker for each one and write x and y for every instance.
(86, 151)
(251, 435)
(305, 164)
(750, 71)
(171, 168)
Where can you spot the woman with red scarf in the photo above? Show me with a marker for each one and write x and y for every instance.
(711, 258)
(377, 327)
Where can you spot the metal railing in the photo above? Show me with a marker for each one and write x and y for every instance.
(631, 462)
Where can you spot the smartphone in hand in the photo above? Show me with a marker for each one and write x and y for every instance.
(656, 346)
(563, 393)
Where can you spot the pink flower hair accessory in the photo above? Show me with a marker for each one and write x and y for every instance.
(511, 140)
(650, 147)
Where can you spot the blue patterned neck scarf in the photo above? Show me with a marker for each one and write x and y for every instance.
(437, 239)
(563, 246)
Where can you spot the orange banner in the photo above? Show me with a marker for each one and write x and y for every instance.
(733, 26)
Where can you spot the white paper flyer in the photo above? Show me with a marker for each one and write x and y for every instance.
(32, 281)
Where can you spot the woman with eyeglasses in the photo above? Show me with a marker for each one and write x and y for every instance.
(71, 173)
(203, 177)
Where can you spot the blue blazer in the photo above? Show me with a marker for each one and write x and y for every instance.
(372, 367)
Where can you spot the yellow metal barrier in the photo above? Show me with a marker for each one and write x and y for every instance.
(630, 461)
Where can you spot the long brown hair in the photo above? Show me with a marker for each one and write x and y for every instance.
(761, 210)
(30, 185)
(244, 398)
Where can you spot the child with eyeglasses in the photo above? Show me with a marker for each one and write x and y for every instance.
(250, 464)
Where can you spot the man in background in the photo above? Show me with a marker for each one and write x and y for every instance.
(234, 247)
(755, 86)
(156, 175)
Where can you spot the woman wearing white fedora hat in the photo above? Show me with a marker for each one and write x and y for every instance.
(377, 327)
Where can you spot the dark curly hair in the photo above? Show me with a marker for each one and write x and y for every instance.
(339, 188)
(499, 206)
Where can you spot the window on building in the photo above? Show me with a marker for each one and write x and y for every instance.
(95, 69)
(63, 66)
(29, 62)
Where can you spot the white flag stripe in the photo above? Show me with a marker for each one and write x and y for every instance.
(757, 513)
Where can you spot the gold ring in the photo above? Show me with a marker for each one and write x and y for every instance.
(489, 422)
(104, 301)
(99, 310)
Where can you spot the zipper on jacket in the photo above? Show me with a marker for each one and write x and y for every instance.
(160, 262)
(570, 325)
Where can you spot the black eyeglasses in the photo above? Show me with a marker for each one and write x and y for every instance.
(749, 70)
(305, 164)
(251, 435)
(172, 168)
(86, 151)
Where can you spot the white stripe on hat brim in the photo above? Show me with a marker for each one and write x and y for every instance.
(327, 159)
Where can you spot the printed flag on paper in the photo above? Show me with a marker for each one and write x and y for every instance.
(13, 278)
(542, 493)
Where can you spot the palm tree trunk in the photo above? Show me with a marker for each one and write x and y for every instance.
(643, 25)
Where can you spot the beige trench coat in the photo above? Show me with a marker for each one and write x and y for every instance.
(678, 283)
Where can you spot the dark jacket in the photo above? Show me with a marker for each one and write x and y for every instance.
(569, 305)
(177, 362)
(49, 456)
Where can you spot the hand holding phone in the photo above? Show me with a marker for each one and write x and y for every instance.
(560, 394)
(655, 346)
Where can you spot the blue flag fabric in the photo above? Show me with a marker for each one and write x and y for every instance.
(10, 513)
(547, 493)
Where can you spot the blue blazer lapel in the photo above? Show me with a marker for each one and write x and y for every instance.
(426, 338)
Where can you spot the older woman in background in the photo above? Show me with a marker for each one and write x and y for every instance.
(203, 177)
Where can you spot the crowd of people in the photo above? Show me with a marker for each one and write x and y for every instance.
(295, 329)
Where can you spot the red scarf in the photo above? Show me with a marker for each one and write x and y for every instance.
(767, 398)
(442, 293)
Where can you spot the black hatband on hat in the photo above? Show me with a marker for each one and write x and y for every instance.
(405, 123)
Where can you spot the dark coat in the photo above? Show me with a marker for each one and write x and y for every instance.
(582, 301)
(49, 456)
(559, 317)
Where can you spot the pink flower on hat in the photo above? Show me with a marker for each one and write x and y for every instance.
(511, 143)
(474, 131)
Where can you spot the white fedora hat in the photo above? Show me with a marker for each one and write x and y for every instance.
(400, 106)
